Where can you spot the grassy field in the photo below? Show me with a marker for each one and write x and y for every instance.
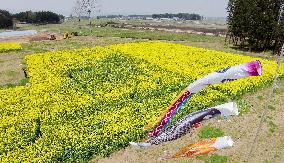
(270, 146)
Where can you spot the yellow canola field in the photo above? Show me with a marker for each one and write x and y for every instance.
(195, 63)
(7, 46)
(87, 102)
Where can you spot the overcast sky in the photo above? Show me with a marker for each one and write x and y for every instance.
(208, 8)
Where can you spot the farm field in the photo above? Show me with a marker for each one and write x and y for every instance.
(85, 98)
(90, 37)
(9, 46)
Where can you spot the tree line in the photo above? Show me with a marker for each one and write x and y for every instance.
(183, 16)
(40, 17)
(5, 19)
(258, 24)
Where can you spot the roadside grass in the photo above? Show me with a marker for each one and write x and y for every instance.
(272, 126)
(260, 97)
(151, 35)
(38, 47)
(209, 131)
(271, 107)
(22, 82)
(213, 158)
(243, 106)
(220, 45)
(1, 52)
(11, 73)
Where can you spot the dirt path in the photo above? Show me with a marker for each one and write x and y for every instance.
(11, 64)
(270, 147)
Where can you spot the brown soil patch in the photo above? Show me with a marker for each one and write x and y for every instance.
(39, 37)
(171, 28)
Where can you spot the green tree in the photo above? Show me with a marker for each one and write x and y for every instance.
(5, 19)
(255, 23)
(38, 17)
(27, 16)
(46, 17)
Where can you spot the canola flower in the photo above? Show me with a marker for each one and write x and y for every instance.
(94, 101)
(7, 46)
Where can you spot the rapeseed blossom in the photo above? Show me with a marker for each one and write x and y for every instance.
(95, 101)
(7, 46)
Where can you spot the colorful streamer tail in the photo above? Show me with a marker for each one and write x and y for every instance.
(171, 111)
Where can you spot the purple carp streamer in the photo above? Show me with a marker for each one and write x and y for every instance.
(182, 126)
(248, 69)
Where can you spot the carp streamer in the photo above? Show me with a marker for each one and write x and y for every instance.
(182, 126)
(248, 69)
(204, 147)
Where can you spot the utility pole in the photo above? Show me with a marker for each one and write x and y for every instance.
(89, 14)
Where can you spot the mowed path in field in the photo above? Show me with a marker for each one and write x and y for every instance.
(269, 147)
(11, 64)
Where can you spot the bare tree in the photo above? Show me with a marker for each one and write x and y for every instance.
(78, 9)
(86, 8)
(90, 6)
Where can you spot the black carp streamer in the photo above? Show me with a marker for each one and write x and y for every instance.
(182, 126)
